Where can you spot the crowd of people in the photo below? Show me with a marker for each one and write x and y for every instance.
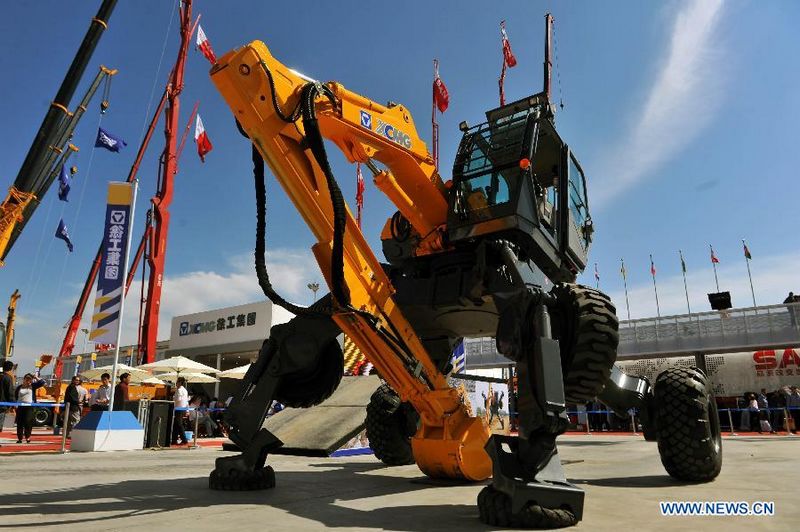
(192, 409)
(767, 411)
(758, 412)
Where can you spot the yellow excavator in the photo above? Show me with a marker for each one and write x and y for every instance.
(493, 251)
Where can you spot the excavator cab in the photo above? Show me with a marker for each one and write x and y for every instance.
(515, 179)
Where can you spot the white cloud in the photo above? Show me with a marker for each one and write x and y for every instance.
(290, 270)
(683, 99)
(773, 278)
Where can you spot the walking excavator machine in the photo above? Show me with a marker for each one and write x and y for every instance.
(493, 251)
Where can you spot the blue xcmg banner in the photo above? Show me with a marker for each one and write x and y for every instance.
(111, 277)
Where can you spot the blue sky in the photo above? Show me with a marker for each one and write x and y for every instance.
(682, 113)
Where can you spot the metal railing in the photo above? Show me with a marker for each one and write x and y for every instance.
(753, 328)
(717, 332)
(777, 416)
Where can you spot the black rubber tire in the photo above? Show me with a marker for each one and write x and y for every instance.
(495, 510)
(42, 417)
(309, 388)
(390, 426)
(242, 481)
(688, 431)
(585, 323)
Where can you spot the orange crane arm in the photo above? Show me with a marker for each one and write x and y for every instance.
(12, 314)
(262, 93)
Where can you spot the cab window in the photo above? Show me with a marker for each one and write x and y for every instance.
(578, 204)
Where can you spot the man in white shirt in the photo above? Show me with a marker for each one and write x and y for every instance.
(181, 400)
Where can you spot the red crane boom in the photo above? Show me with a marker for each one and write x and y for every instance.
(161, 201)
(157, 233)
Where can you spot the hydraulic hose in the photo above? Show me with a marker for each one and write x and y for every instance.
(317, 147)
(260, 252)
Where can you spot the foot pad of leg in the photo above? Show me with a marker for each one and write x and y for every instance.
(495, 510)
(527, 497)
(236, 480)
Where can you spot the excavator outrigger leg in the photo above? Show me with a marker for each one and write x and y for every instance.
(529, 488)
(293, 349)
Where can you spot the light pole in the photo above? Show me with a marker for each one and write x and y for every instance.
(313, 287)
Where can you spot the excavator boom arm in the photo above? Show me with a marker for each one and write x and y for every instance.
(265, 97)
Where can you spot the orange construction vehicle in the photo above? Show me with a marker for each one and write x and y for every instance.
(494, 251)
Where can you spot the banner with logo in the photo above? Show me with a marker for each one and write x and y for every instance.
(111, 277)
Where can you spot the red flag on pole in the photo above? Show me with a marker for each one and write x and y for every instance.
(201, 138)
(359, 193)
(714, 258)
(652, 267)
(508, 61)
(205, 46)
(508, 55)
(440, 95)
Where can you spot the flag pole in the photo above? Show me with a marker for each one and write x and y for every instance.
(747, 259)
(655, 288)
(685, 286)
(625, 282)
(434, 125)
(596, 277)
(714, 265)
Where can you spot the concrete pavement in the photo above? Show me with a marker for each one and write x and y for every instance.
(160, 490)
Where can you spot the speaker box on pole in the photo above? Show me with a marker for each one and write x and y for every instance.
(720, 300)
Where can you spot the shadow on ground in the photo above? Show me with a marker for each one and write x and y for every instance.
(587, 443)
(650, 481)
(297, 493)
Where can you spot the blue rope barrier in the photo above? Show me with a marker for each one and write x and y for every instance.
(46, 405)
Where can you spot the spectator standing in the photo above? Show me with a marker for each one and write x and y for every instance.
(793, 405)
(763, 405)
(752, 407)
(6, 390)
(777, 401)
(791, 308)
(596, 417)
(121, 391)
(75, 396)
(102, 396)
(181, 400)
(25, 394)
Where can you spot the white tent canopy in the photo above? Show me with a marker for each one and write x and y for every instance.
(137, 374)
(189, 376)
(235, 373)
(178, 364)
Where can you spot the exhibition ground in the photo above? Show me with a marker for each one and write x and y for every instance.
(167, 489)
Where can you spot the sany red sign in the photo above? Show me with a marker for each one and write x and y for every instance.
(770, 362)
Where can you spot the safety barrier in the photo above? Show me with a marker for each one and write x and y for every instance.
(64, 414)
(4, 404)
(725, 413)
(47, 405)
